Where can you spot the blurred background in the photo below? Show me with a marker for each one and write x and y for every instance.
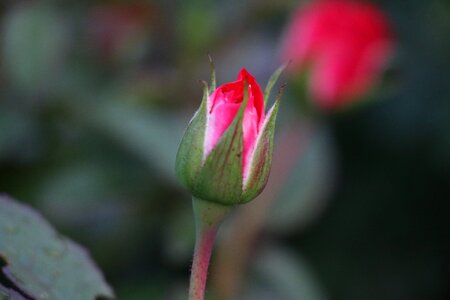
(95, 96)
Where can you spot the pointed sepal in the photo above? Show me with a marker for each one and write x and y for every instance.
(261, 160)
(212, 83)
(190, 153)
(272, 80)
(220, 179)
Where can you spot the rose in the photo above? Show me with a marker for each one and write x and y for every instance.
(345, 43)
(224, 159)
(225, 155)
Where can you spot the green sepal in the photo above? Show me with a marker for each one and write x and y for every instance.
(261, 160)
(212, 83)
(220, 179)
(190, 153)
(272, 80)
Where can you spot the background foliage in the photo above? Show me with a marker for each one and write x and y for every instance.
(94, 101)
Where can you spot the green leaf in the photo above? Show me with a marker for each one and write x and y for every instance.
(8, 293)
(36, 262)
(190, 153)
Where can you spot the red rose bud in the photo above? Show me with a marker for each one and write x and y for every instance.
(225, 155)
(345, 43)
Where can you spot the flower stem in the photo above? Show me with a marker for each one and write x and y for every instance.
(208, 217)
(199, 272)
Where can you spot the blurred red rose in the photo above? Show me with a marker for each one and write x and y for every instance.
(345, 44)
(118, 28)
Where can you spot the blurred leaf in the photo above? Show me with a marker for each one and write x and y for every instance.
(152, 136)
(16, 130)
(137, 290)
(284, 276)
(180, 236)
(155, 289)
(34, 40)
(7, 293)
(38, 263)
(304, 193)
(197, 26)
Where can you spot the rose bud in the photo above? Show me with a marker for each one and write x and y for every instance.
(225, 155)
(344, 43)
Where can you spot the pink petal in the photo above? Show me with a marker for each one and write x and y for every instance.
(223, 105)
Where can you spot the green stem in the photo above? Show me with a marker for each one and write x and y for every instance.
(208, 217)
